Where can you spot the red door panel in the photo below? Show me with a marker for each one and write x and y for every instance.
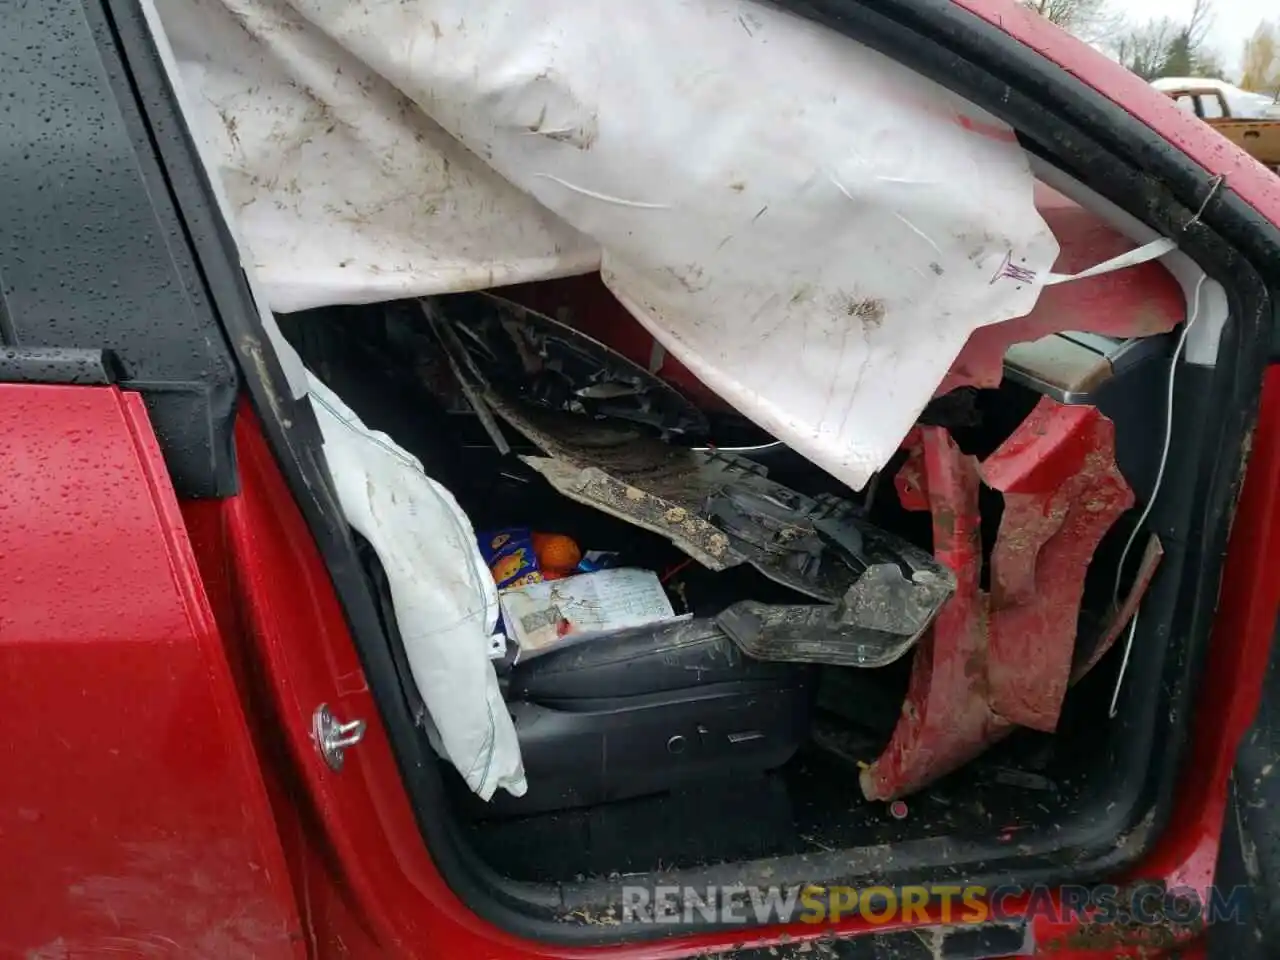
(133, 817)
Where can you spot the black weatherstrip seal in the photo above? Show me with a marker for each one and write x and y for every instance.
(1059, 118)
(94, 254)
(59, 365)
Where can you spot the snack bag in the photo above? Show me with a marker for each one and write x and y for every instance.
(510, 555)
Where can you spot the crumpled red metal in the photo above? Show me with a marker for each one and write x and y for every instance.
(1001, 658)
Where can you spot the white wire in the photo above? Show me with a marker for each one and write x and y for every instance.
(1155, 489)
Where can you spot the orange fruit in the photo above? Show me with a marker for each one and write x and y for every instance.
(556, 552)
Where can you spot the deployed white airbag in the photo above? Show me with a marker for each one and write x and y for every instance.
(445, 600)
(810, 227)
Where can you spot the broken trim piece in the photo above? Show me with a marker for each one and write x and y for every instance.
(878, 593)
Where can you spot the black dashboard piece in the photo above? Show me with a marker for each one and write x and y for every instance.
(528, 356)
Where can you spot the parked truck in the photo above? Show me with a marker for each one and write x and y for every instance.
(1259, 137)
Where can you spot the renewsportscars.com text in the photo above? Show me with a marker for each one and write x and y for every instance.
(1149, 904)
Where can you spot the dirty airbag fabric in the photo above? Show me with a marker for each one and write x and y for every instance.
(445, 600)
(342, 189)
(810, 227)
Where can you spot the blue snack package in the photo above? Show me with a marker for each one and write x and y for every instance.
(509, 555)
(594, 560)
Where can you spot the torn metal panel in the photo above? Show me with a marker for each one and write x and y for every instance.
(946, 719)
(993, 661)
(1062, 493)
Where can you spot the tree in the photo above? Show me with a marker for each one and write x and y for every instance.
(1200, 24)
(1090, 20)
(1168, 48)
(1209, 64)
(1179, 59)
(1261, 60)
(1145, 48)
(1186, 54)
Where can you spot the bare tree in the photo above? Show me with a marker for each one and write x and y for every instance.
(1260, 61)
(1201, 22)
(1145, 49)
(1209, 63)
(1090, 20)
(1167, 47)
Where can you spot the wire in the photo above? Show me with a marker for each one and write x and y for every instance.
(1155, 489)
(674, 570)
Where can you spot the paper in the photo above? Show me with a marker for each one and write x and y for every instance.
(540, 615)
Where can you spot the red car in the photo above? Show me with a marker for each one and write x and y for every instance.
(210, 745)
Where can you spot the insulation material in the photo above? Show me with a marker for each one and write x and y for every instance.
(811, 228)
(445, 600)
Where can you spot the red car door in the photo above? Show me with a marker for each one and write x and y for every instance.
(133, 815)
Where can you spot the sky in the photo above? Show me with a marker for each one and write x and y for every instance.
(1233, 21)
